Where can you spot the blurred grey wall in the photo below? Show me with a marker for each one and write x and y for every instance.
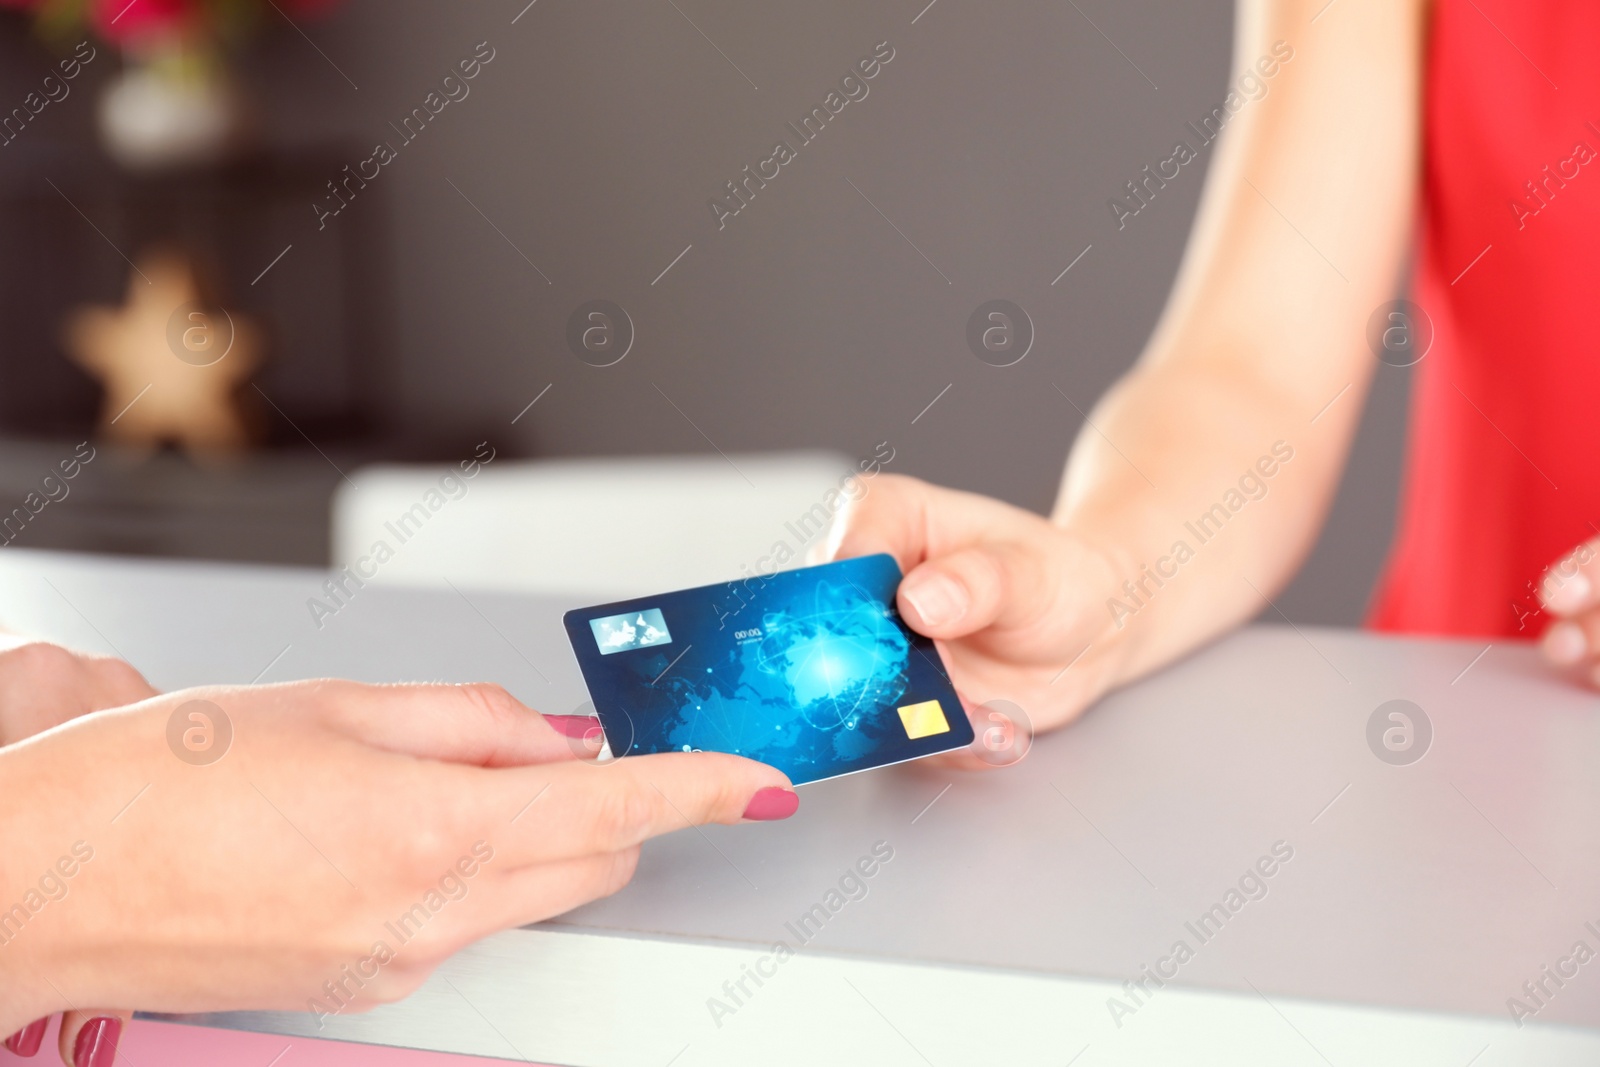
(832, 310)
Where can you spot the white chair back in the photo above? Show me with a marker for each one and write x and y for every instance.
(601, 528)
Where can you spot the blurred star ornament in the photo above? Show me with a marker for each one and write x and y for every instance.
(170, 361)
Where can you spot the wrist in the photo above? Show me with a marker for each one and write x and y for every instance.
(1098, 567)
(30, 887)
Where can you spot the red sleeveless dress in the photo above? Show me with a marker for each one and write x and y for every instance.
(1503, 471)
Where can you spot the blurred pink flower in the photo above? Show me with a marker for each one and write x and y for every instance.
(122, 21)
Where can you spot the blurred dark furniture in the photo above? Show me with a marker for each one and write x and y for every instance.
(266, 508)
(68, 217)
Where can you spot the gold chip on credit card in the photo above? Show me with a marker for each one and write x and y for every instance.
(924, 719)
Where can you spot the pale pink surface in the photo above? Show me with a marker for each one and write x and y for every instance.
(151, 1044)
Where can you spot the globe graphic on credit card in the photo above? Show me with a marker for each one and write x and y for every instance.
(840, 663)
(815, 685)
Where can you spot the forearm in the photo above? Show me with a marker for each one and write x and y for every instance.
(1206, 494)
(1205, 474)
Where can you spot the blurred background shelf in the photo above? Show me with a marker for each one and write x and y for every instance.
(323, 318)
(267, 507)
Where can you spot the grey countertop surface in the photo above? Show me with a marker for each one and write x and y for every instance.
(1442, 885)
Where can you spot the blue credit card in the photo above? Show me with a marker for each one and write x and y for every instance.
(811, 671)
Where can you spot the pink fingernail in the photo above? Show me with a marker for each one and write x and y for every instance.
(579, 726)
(25, 1042)
(773, 802)
(97, 1042)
